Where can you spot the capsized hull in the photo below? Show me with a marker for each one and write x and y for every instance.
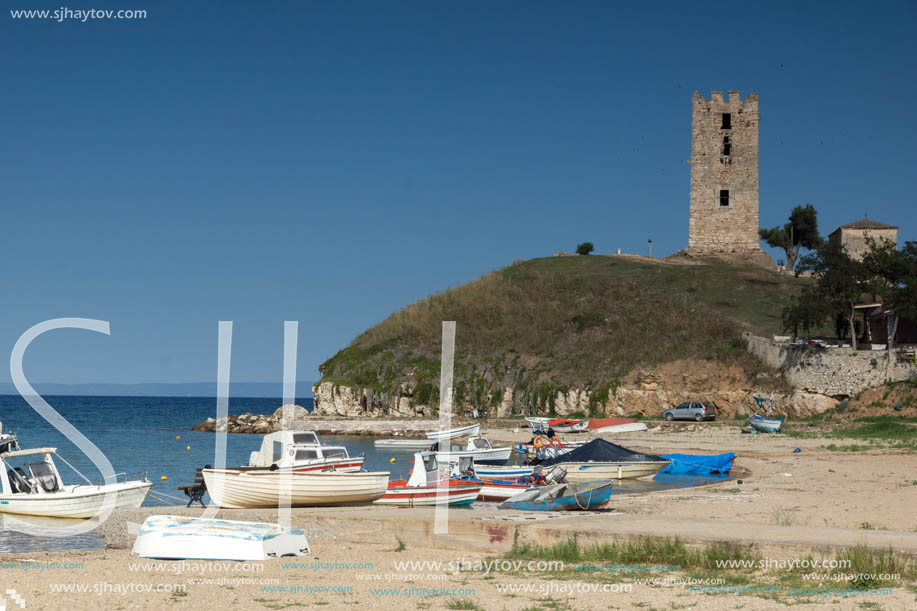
(75, 501)
(572, 497)
(243, 489)
(630, 427)
(578, 472)
(178, 537)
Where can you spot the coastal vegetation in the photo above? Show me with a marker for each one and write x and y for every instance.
(549, 325)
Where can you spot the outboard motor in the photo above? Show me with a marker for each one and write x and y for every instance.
(557, 475)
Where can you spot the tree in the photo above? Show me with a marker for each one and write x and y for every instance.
(894, 277)
(585, 248)
(800, 232)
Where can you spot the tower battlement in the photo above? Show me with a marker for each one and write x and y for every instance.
(724, 174)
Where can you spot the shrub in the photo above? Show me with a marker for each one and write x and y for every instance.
(585, 248)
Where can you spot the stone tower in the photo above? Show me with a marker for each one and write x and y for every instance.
(724, 176)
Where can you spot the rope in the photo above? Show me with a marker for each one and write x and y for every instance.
(177, 498)
(153, 494)
(586, 506)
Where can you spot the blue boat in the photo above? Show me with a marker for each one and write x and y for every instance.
(580, 496)
(765, 425)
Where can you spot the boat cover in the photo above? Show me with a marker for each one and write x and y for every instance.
(690, 464)
(599, 450)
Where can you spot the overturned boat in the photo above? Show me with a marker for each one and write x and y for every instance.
(574, 496)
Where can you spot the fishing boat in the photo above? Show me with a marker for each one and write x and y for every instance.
(600, 459)
(628, 427)
(37, 489)
(166, 537)
(302, 451)
(487, 472)
(597, 423)
(562, 425)
(250, 487)
(429, 484)
(477, 448)
(403, 444)
(537, 421)
(766, 425)
(8, 441)
(462, 431)
(562, 497)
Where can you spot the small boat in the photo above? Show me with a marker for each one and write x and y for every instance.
(250, 487)
(500, 490)
(431, 485)
(477, 448)
(166, 537)
(600, 459)
(463, 431)
(562, 497)
(302, 451)
(766, 425)
(36, 488)
(562, 425)
(501, 473)
(403, 444)
(8, 441)
(537, 421)
(629, 427)
(597, 423)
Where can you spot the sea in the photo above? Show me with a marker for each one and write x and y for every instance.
(153, 435)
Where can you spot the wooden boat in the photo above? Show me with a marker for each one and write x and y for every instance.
(462, 431)
(403, 444)
(630, 427)
(562, 425)
(766, 425)
(37, 489)
(579, 471)
(501, 473)
(477, 448)
(430, 485)
(500, 490)
(562, 497)
(181, 538)
(248, 487)
(302, 451)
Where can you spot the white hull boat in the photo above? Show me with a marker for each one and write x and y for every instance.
(302, 451)
(182, 538)
(249, 488)
(568, 426)
(429, 484)
(477, 449)
(464, 431)
(631, 427)
(501, 473)
(579, 471)
(36, 489)
(403, 444)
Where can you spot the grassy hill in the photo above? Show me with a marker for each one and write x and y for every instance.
(557, 323)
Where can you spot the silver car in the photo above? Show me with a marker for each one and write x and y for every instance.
(691, 410)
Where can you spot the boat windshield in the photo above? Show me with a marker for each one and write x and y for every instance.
(335, 453)
(481, 444)
(308, 438)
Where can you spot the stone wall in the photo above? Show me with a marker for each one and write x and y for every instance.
(837, 372)
(716, 228)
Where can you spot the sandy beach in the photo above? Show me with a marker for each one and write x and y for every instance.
(789, 505)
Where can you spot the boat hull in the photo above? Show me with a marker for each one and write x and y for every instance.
(766, 425)
(501, 473)
(243, 489)
(578, 472)
(420, 496)
(181, 538)
(577, 498)
(630, 427)
(342, 465)
(494, 456)
(403, 444)
(464, 431)
(75, 501)
(500, 491)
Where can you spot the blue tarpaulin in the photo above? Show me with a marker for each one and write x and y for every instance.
(689, 464)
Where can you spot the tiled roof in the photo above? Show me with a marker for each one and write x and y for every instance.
(867, 224)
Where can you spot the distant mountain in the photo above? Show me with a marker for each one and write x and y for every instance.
(268, 390)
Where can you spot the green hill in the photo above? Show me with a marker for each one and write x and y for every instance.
(557, 323)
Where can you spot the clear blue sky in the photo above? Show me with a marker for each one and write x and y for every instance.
(332, 162)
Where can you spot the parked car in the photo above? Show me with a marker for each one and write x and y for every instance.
(691, 410)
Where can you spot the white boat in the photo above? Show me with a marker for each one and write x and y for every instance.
(537, 420)
(501, 490)
(36, 488)
(8, 441)
(581, 471)
(430, 484)
(478, 449)
(247, 487)
(501, 473)
(766, 425)
(630, 427)
(403, 444)
(182, 538)
(463, 431)
(563, 425)
(303, 451)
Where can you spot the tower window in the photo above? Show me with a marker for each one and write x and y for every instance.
(727, 120)
(727, 146)
(724, 197)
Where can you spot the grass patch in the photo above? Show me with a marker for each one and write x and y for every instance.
(463, 603)
(401, 546)
(868, 565)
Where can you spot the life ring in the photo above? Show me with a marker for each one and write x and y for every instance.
(540, 442)
(556, 443)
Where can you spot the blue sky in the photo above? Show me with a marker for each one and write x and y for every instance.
(332, 162)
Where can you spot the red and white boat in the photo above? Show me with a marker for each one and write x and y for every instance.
(302, 451)
(429, 484)
(563, 425)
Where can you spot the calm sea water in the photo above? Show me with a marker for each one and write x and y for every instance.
(153, 434)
